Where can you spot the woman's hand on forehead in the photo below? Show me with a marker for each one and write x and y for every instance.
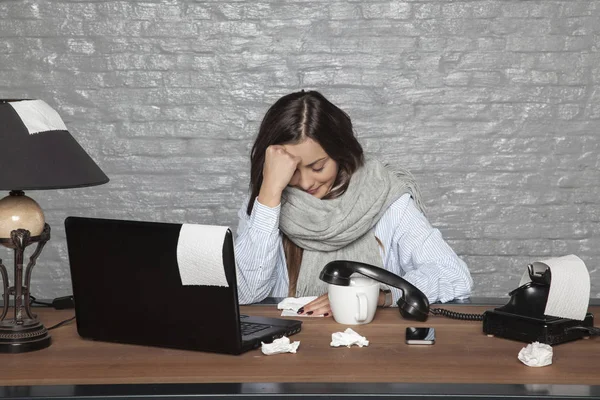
(278, 169)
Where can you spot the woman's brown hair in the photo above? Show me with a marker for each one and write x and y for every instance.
(292, 119)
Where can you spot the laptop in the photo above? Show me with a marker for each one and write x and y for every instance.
(128, 289)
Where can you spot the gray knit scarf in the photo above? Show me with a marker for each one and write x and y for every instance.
(342, 228)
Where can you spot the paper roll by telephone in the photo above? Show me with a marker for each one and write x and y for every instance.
(569, 294)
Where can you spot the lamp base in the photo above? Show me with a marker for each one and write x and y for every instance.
(31, 335)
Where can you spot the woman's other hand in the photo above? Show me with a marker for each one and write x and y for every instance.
(319, 306)
(278, 170)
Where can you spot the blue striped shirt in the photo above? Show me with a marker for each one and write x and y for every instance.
(412, 249)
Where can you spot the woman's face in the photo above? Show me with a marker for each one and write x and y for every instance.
(316, 172)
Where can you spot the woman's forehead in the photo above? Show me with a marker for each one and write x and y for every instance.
(308, 150)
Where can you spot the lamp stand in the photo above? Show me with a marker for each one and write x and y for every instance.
(24, 332)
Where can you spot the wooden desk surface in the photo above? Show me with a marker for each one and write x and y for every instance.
(462, 354)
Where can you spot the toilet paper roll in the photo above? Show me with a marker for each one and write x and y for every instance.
(569, 295)
(200, 255)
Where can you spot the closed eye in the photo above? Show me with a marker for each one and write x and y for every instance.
(314, 167)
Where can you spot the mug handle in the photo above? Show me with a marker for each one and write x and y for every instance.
(362, 307)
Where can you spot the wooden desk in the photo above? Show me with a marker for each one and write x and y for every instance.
(463, 362)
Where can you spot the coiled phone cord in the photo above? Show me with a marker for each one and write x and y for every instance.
(456, 315)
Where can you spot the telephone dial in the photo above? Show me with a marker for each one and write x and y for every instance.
(522, 318)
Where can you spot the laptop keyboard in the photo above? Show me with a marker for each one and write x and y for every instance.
(249, 328)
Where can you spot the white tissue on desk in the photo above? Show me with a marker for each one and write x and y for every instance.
(291, 305)
(348, 338)
(281, 345)
(536, 355)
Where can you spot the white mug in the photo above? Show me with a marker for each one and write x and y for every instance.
(354, 304)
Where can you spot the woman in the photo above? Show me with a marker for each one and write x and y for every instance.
(314, 199)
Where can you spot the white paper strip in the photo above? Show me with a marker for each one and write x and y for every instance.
(200, 255)
(38, 116)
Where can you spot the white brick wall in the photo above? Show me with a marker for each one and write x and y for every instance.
(493, 104)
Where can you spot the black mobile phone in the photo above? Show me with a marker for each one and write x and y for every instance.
(420, 335)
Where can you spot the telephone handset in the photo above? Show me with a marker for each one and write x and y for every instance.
(412, 305)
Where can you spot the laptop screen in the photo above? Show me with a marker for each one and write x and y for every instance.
(127, 287)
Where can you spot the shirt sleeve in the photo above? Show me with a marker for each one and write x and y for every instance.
(425, 259)
(259, 254)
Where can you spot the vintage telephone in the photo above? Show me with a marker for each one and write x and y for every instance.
(522, 318)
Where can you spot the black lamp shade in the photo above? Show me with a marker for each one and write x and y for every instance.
(37, 152)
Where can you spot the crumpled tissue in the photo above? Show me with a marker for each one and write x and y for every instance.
(291, 305)
(348, 338)
(536, 354)
(281, 345)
